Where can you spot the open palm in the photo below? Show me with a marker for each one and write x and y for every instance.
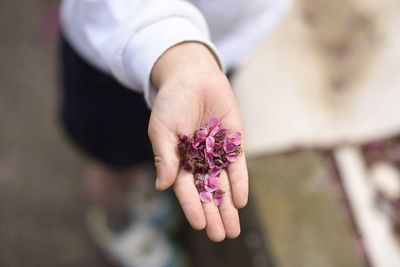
(182, 106)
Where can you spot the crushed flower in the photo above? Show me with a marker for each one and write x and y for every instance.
(206, 154)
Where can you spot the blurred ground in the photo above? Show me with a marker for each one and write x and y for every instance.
(327, 75)
(41, 219)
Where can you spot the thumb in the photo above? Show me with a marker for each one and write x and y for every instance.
(166, 160)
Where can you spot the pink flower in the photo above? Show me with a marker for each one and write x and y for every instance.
(232, 152)
(194, 153)
(218, 197)
(232, 157)
(215, 171)
(201, 136)
(209, 158)
(213, 122)
(206, 154)
(229, 147)
(184, 138)
(206, 196)
(211, 183)
(199, 182)
(213, 125)
(210, 142)
(235, 138)
(218, 149)
(199, 186)
(232, 146)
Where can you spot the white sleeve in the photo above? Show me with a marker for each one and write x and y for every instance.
(126, 37)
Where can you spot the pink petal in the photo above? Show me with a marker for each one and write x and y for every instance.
(210, 161)
(196, 143)
(232, 157)
(194, 153)
(184, 138)
(224, 165)
(218, 201)
(214, 125)
(213, 122)
(210, 141)
(214, 131)
(199, 185)
(215, 171)
(202, 134)
(209, 188)
(218, 197)
(208, 153)
(217, 145)
(229, 147)
(211, 183)
(205, 196)
(235, 138)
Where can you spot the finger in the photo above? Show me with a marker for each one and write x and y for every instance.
(166, 157)
(228, 211)
(237, 171)
(239, 181)
(189, 200)
(214, 226)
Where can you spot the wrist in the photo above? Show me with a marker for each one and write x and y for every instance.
(183, 59)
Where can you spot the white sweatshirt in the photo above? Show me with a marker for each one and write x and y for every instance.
(126, 37)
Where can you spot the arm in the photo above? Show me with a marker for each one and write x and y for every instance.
(126, 37)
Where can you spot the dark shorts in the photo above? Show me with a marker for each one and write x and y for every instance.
(107, 121)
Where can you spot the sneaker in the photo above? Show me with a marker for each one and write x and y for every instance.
(141, 244)
(157, 208)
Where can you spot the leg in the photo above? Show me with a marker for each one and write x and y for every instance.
(108, 123)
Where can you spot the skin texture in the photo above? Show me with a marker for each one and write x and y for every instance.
(192, 88)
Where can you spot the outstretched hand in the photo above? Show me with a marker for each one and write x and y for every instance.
(192, 89)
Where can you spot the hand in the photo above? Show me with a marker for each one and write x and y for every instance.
(191, 90)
